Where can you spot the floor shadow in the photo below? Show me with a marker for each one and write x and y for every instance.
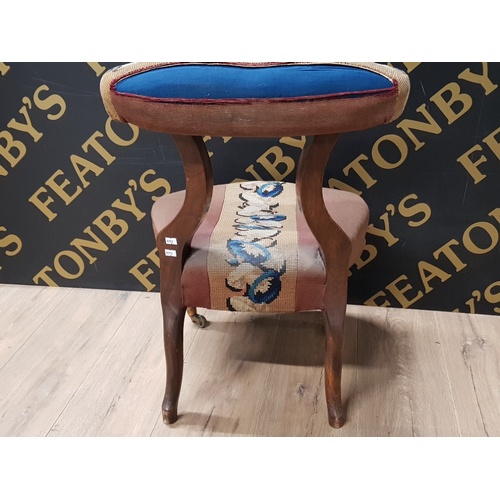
(286, 339)
(299, 339)
(383, 353)
(209, 424)
(378, 348)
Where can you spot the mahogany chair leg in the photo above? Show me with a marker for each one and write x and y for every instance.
(334, 318)
(335, 249)
(173, 243)
(173, 334)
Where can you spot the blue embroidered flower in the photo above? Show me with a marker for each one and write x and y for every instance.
(256, 265)
(265, 288)
(270, 189)
(244, 251)
(268, 217)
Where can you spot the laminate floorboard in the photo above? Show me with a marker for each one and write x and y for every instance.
(80, 362)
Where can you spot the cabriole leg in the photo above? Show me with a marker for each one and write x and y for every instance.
(334, 330)
(173, 332)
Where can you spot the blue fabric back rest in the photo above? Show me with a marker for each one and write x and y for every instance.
(202, 82)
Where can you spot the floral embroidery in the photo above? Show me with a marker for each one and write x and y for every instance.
(257, 264)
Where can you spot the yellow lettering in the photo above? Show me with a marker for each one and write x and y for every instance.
(250, 170)
(141, 276)
(372, 253)
(152, 186)
(88, 166)
(385, 232)
(372, 301)
(399, 293)
(59, 189)
(92, 142)
(401, 147)
(26, 127)
(428, 272)
(8, 241)
(356, 166)
(335, 183)
(98, 68)
(481, 79)
(43, 206)
(154, 257)
(112, 222)
(129, 207)
(430, 126)
(96, 244)
(294, 142)
(489, 229)
(496, 214)
(493, 143)
(450, 255)
(417, 208)
(493, 298)
(49, 102)
(456, 96)
(410, 66)
(471, 165)
(5, 151)
(43, 276)
(75, 258)
(4, 69)
(120, 141)
(279, 160)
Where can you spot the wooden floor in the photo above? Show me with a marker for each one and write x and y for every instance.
(77, 362)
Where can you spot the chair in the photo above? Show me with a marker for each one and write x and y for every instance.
(260, 246)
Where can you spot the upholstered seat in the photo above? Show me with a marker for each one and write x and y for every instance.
(300, 252)
(254, 100)
(262, 246)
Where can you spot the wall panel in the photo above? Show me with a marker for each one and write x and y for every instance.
(76, 188)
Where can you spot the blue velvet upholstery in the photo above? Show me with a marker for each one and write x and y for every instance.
(202, 82)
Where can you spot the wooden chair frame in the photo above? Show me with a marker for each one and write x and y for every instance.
(321, 118)
(335, 248)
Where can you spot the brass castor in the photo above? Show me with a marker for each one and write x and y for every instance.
(196, 318)
(199, 320)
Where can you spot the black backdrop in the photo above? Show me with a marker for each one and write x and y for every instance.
(76, 188)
